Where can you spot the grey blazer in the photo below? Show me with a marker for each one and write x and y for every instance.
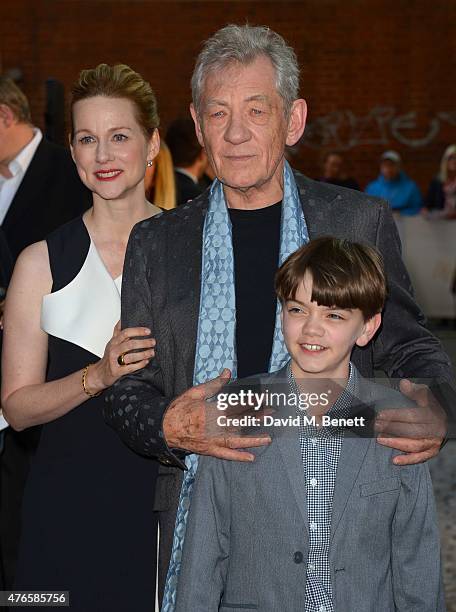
(246, 544)
(161, 290)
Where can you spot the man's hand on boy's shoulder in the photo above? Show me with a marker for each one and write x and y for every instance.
(190, 423)
(416, 431)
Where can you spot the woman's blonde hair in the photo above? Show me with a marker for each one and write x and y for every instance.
(118, 81)
(443, 174)
(160, 181)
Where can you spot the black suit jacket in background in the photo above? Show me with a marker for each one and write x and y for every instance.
(6, 269)
(6, 262)
(50, 194)
(161, 290)
(186, 189)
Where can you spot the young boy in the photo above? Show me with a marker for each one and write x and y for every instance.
(322, 520)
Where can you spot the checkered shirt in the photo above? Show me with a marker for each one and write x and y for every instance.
(320, 452)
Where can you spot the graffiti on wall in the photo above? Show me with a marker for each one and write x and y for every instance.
(344, 130)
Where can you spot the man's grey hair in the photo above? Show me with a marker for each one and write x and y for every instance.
(244, 44)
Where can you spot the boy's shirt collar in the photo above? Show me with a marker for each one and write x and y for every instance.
(341, 407)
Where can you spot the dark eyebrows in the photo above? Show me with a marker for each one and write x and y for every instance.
(337, 308)
(327, 307)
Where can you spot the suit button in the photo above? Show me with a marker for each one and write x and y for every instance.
(298, 557)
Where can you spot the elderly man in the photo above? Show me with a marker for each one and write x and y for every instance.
(201, 277)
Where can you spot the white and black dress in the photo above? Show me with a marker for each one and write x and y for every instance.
(88, 524)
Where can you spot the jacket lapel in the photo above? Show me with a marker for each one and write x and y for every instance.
(323, 215)
(184, 276)
(287, 440)
(350, 462)
(352, 456)
(315, 214)
(291, 454)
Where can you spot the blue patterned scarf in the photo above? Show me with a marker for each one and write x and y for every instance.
(215, 345)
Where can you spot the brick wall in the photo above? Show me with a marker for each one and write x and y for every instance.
(365, 64)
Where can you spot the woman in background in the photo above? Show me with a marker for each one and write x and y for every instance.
(440, 201)
(160, 182)
(88, 525)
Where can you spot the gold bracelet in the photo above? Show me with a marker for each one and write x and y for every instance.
(84, 382)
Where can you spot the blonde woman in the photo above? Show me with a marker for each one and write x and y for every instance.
(441, 195)
(88, 525)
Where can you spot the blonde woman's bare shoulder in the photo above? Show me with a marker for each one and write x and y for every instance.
(32, 268)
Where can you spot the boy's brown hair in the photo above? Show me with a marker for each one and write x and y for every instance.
(344, 274)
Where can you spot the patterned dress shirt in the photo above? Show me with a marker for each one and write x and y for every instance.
(320, 452)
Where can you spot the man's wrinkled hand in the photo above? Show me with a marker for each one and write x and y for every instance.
(418, 432)
(188, 424)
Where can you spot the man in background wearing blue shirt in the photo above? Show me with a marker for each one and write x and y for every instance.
(395, 186)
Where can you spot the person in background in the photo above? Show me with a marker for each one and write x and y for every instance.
(60, 353)
(159, 181)
(36, 175)
(395, 186)
(333, 171)
(6, 269)
(39, 190)
(440, 201)
(189, 157)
